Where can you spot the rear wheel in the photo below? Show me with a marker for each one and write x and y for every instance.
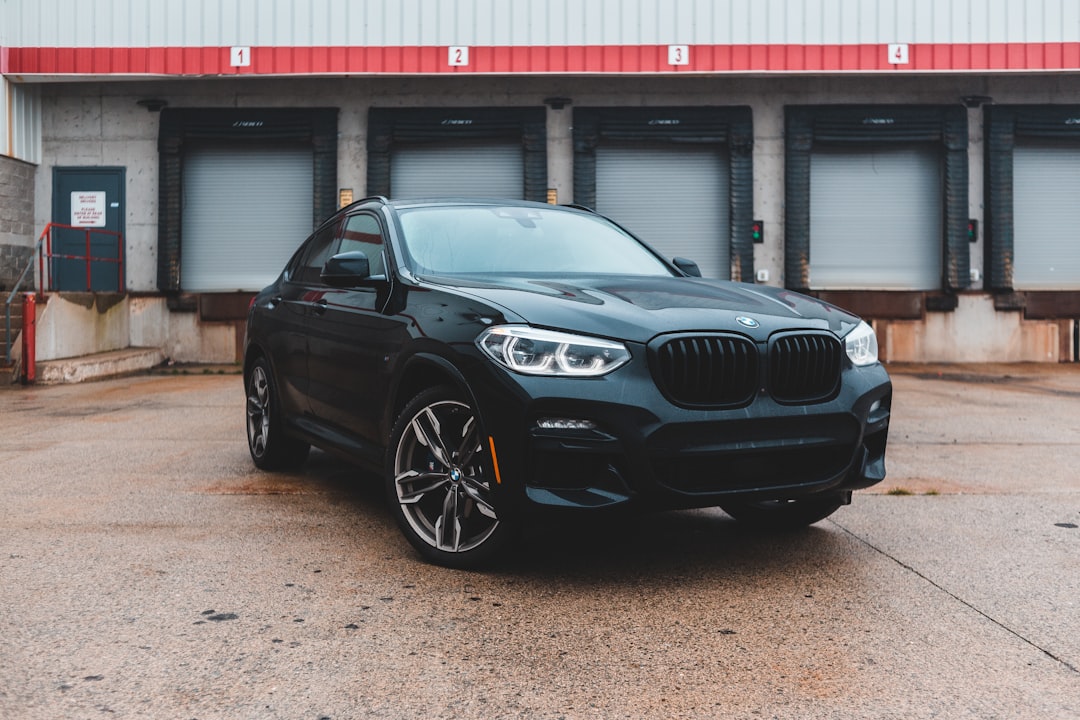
(270, 447)
(784, 514)
(439, 481)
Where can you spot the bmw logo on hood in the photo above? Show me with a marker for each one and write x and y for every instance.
(748, 322)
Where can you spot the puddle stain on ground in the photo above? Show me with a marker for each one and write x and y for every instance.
(262, 486)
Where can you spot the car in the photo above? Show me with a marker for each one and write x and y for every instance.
(496, 360)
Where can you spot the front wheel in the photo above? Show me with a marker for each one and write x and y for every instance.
(439, 481)
(783, 514)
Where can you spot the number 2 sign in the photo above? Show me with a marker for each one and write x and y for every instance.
(458, 56)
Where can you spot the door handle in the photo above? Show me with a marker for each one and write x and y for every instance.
(318, 307)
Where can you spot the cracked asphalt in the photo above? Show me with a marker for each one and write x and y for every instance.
(148, 570)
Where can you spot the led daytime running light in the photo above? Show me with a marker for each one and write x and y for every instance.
(532, 351)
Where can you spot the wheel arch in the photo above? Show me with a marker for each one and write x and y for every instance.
(423, 371)
(251, 353)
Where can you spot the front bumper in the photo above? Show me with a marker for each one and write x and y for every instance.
(645, 450)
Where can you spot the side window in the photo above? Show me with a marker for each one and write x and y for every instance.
(315, 255)
(362, 232)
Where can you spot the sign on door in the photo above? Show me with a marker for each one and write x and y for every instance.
(88, 209)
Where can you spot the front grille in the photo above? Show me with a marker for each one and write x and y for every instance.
(726, 370)
(804, 367)
(708, 370)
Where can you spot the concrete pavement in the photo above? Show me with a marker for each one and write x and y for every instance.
(148, 570)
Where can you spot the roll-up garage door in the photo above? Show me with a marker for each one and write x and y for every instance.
(674, 197)
(489, 169)
(246, 209)
(1046, 240)
(876, 218)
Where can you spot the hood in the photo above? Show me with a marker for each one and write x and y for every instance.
(638, 308)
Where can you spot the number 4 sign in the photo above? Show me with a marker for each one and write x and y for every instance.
(898, 54)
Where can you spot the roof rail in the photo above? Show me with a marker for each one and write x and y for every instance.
(378, 198)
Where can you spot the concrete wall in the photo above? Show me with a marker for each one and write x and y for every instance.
(78, 324)
(16, 221)
(974, 332)
(94, 128)
(102, 124)
(180, 335)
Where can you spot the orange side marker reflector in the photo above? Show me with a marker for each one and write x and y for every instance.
(495, 460)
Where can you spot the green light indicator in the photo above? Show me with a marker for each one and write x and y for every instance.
(757, 231)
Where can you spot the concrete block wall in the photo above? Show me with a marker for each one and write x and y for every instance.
(16, 220)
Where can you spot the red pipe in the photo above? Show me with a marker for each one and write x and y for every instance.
(88, 256)
(29, 338)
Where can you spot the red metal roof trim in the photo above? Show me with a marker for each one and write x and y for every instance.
(588, 59)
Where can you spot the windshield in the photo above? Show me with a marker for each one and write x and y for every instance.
(468, 240)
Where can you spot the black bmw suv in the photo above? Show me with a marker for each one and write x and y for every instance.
(496, 358)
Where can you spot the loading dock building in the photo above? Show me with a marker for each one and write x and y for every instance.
(917, 161)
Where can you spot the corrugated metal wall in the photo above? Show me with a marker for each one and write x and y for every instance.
(20, 121)
(300, 23)
(5, 136)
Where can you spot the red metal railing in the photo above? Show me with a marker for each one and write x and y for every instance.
(45, 269)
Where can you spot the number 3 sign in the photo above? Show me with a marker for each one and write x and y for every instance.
(678, 54)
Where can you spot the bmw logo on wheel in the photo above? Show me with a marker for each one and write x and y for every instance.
(747, 321)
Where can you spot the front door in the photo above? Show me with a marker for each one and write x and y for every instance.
(86, 257)
(351, 342)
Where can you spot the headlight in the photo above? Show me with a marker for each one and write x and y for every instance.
(861, 345)
(545, 352)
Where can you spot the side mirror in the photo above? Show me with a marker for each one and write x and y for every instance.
(346, 269)
(688, 267)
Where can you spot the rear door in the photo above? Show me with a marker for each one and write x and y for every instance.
(87, 258)
(290, 313)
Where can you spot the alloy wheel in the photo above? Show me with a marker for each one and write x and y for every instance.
(258, 412)
(439, 480)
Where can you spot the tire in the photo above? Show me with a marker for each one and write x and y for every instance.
(270, 447)
(784, 514)
(439, 482)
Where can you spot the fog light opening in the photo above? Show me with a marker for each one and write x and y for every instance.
(565, 424)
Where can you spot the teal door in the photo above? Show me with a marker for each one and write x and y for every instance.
(92, 200)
